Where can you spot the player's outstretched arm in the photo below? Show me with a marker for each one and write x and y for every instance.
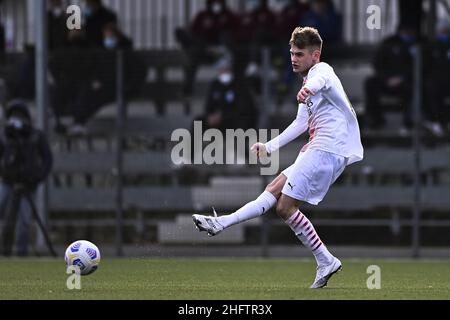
(296, 128)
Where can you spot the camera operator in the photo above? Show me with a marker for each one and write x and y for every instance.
(25, 162)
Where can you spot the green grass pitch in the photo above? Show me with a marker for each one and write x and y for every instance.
(223, 279)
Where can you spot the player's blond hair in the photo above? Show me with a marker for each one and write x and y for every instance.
(306, 37)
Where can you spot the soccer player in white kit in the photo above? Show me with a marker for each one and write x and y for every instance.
(334, 143)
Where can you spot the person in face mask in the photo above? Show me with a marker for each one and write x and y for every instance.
(255, 32)
(113, 38)
(100, 88)
(214, 27)
(97, 16)
(25, 162)
(229, 103)
(56, 8)
(393, 76)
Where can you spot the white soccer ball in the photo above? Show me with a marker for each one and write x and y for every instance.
(83, 254)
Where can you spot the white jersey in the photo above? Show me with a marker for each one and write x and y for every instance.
(331, 119)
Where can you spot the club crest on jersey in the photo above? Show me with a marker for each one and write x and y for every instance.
(309, 105)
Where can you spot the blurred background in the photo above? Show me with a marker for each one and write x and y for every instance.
(87, 118)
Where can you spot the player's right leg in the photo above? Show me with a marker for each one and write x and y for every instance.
(327, 264)
(214, 225)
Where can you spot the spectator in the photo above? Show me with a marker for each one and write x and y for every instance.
(438, 77)
(212, 27)
(97, 17)
(322, 15)
(289, 17)
(393, 75)
(229, 103)
(57, 30)
(25, 162)
(23, 84)
(412, 14)
(69, 67)
(255, 31)
(113, 38)
(215, 25)
(99, 88)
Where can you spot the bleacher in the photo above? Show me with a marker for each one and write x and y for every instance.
(382, 179)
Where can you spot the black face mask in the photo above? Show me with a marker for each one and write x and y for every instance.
(17, 127)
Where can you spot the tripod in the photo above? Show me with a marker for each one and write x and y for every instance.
(11, 217)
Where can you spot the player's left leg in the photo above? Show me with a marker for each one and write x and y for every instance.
(253, 209)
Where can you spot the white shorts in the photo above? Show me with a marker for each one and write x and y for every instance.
(312, 174)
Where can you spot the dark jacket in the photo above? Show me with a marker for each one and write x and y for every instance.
(104, 69)
(215, 29)
(394, 58)
(235, 102)
(95, 24)
(25, 160)
(437, 59)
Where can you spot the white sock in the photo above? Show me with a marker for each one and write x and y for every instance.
(304, 230)
(257, 207)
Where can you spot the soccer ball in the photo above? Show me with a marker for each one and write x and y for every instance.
(83, 254)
